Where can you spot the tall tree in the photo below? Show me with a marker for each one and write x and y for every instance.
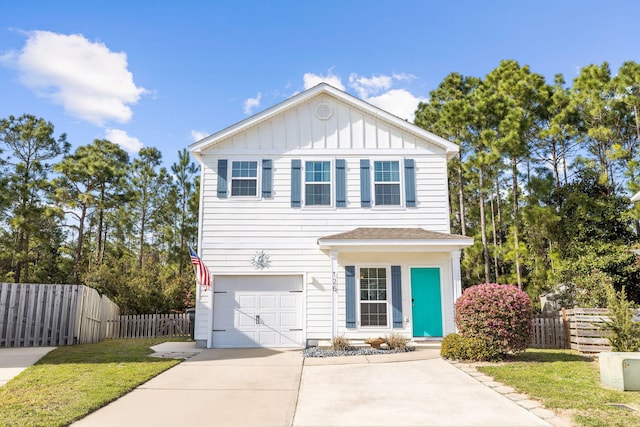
(517, 97)
(184, 172)
(85, 178)
(29, 146)
(149, 184)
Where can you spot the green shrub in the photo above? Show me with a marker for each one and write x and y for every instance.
(499, 315)
(396, 341)
(624, 332)
(459, 347)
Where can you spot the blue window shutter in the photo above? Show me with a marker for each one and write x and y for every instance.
(341, 190)
(296, 179)
(222, 178)
(350, 285)
(410, 183)
(266, 178)
(365, 184)
(396, 296)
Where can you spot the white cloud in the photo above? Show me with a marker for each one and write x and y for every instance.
(367, 86)
(404, 77)
(197, 135)
(311, 80)
(120, 137)
(399, 102)
(252, 103)
(87, 79)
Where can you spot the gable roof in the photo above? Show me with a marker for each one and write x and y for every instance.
(323, 88)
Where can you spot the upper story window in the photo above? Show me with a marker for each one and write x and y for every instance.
(244, 178)
(386, 179)
(317, 183)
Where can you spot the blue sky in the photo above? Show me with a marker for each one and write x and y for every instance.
(166, 73)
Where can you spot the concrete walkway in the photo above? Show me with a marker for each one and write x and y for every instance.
(262, 387)
(15, 360)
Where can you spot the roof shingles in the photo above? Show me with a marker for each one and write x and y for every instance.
(392, 234)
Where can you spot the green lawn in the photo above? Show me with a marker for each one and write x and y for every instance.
(73, 381)
(569, 383)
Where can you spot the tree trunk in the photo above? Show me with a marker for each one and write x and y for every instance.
(76, 264)
(495, 244)
(100, 224)
(483, 227)
(463, 223)
(514, 172)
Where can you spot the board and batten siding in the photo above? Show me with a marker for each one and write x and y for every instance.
(234, 228)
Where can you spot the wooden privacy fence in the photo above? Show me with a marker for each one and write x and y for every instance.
(577, 328)
(149, 326)
(549, 331)
(33, 315)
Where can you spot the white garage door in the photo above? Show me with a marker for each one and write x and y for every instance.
(257, 311)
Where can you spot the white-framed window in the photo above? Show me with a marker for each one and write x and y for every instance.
(244, 178)
(373, 291)
(317, 183)
(386, 183)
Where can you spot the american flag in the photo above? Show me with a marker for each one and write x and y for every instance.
(202, 272)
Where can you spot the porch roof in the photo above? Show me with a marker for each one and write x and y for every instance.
(396, 239)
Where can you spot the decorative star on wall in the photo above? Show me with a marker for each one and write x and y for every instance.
(261, 260)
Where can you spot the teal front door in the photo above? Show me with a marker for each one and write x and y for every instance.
(426, 302)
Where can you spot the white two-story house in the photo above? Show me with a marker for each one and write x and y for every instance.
(325, 216)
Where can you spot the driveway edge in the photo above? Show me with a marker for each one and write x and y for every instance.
(533, 406)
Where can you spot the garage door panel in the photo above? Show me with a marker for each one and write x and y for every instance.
(290, 301)
(246, 301)
(289, 320)
(267, 302)
(277, 301)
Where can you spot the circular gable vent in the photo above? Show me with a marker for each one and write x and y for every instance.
(323, 111)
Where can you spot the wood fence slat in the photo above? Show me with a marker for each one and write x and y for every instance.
(149, 326)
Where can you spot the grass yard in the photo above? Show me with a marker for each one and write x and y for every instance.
(72, 381)
(569, 383)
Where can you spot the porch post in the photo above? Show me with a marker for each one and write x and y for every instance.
(334, 293)
(456, 276)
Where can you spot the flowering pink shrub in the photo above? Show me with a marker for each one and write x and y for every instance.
(499, 314)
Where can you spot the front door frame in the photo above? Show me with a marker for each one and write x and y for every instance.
(442, 310)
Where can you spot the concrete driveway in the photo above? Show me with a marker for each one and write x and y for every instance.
(262, 387)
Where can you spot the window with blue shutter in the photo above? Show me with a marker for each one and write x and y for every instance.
(350, 297)
(386, 181)
(365, 184)
(396, 296)
(222, 178)
(266, 178)
(296, 179)
(410, 183)
(341, 184)
(317, 183)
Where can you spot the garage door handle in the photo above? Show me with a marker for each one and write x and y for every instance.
(257, 319)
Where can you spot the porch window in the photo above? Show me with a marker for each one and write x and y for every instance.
(373, 297)
(244, 178)
(386, 176)
(317, 183)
